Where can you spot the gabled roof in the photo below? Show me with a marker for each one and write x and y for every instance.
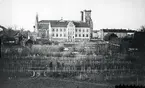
(43, 24)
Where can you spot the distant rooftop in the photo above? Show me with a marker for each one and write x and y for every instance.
(118, 30)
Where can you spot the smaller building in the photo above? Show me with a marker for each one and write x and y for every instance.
(10, 36)
(119, 32)
(95, 34)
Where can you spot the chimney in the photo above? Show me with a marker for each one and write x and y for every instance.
(82, 16)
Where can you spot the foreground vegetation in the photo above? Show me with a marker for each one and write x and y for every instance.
(89, 62)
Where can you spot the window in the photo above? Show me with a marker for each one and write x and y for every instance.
(75, 35)
(76, 30)
(56, 35)
(56, 29)
(79, 35)
(83, 30)
(53, 35)
(64, 30)
(79, 30)
(87, 30)
(83, 35)
(86, 35)
(52, 29)
(60, 29)
(64, 35)
(60, 35)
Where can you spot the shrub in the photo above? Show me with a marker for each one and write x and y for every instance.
(66, 54)
(55, 42)
(61, 48)
(43, 41)
(25, 52)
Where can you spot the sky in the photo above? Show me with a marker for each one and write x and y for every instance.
(129, 14)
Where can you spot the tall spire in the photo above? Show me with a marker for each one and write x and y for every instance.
(37, 17)
(36, 23)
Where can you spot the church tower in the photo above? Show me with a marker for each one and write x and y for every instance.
(36, 24)
(88, 20)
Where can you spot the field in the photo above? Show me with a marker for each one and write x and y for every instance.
(96, 63)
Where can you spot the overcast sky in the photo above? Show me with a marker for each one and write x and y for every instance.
(105, 13)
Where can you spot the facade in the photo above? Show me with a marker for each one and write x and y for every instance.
(65, 30)
(119, 32)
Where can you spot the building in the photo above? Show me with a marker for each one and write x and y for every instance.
(120, 33)
(65, 30)
(10, 36)
(95, 34)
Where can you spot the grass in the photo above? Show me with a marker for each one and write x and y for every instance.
(48, 83)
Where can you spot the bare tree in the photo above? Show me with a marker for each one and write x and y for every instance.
(142, 28)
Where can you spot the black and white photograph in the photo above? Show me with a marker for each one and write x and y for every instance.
(72, 43)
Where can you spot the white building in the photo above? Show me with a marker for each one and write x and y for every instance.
(65, 30)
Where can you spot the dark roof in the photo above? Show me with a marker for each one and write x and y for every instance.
(117, 30)
(60, 23)
(80, 24)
